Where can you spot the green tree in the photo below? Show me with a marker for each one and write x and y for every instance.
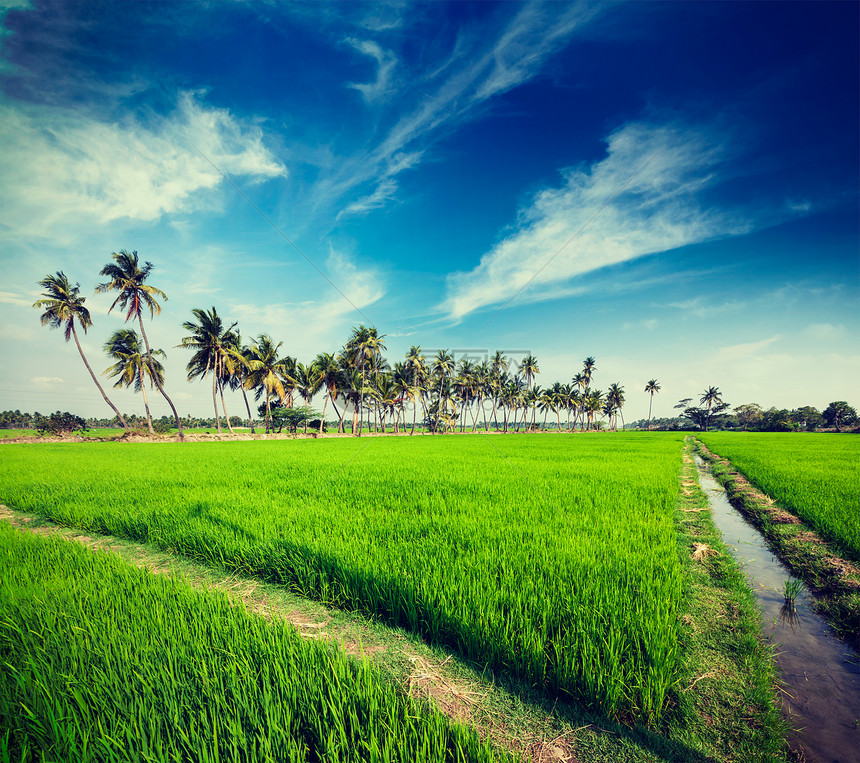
(265, 369)
(839, 414)
(651, 388)
(749, 415)
(363, 347)
(128, 278)
(63, 306)
(132, 368)
(216, 352)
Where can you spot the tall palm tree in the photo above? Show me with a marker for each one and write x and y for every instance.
(416, 364)
(593, 403)
(443, 367)
(64, 305)
(651, 387)
(712, 397)
(615, 395)
(216, 353)
(128, 278)
(309, 380)
(265, 372)
(132, 368)
(528, 370)
(364, 345)
(240, 375)
(325, 365)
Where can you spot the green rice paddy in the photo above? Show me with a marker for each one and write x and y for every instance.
(815, 476)
(553, 557)
(102, 661)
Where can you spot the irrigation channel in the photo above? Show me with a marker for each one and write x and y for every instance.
(821, 695)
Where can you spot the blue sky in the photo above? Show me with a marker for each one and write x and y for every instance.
(670, 188)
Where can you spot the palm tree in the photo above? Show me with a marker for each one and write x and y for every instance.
(711, 396)
(416, 363)
(127, 277)
(325, 365)
(528, 369)
(651, 387)
(593, 403)
(443, 367)
(240, 375)
(63, 305)
(265, 371)
(308, 382)
(216, 352)
(615, 395)
(498, 368)
(364, 345)
(131, 366)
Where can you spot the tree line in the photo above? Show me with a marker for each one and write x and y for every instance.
(498, 393)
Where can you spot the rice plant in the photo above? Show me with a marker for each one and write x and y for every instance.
(816, 476)
(105, 662)
(554, 558)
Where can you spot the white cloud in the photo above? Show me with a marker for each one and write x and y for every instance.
(16, 299)
(46, 382)
(824, 332)
(745, 350)
(640, 199)
(61, 167)
(649, 323)
(316, 325)
(384, 191)
(386, 61)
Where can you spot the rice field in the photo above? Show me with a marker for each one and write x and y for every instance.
(106, 662)
(815, 476)
(552, 557)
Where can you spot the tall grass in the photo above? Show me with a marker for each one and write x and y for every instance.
(105, 662)
(551, 557)
(816, 476)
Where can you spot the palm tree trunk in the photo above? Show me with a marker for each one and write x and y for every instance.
(96, 381)
(268, 411)
(322, 417)
(248, 406)
(414, 414)
(649, 411)
(214, 399)
(146, 407)
(224, 406)
(157, 380)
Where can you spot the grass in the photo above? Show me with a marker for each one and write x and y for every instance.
(554, 559)
(815, 476)
(103, 661)
(721, 707)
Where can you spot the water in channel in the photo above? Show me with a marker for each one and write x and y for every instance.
(821, 674)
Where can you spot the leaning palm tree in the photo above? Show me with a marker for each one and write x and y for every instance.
(64, 305)
(651, 387)
(132, 367)
(127, 277)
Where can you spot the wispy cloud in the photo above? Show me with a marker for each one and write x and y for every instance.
(475, 72)
(10, 298)
(560, 235)
(384, 191)
(386, 61)
(745, 350)
(81, 168)
(825, 332)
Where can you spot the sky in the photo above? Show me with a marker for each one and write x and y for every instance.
(670, 188)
